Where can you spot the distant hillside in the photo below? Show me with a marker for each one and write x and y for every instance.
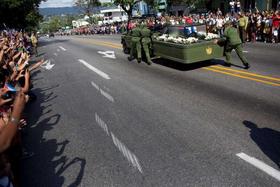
(68, 10)
(59, 11)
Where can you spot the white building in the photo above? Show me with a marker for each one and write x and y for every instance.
(79, 23)
(113, 14)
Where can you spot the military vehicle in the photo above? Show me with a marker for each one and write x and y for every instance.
(202, 50)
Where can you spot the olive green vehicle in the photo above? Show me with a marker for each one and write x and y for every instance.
(184, 53)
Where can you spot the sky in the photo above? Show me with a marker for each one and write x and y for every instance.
(61, 3)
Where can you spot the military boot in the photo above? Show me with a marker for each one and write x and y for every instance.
(130, 58)
(149, 62)
(139, 60)
(247, 66)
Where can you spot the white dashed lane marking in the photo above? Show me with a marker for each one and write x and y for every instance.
(62, 48)
(131, 157)
(102, 92)
(127, 153)
(99, 72)
(260, 165)
(102, 124)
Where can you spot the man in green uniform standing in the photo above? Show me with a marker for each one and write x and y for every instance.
(135, 44)
(232, 41)
(146, 42)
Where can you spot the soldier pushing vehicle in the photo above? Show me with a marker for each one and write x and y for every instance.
(135, 44)
(232, 41)
(140, 39)
(146, 42)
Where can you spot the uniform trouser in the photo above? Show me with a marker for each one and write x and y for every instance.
(35, 51)
(242, 34)
(146, 43)
(136, 45)
(239, 51)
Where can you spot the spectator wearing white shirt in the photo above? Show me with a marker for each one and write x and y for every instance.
(219, 25)
(238, 6)
(232, 7)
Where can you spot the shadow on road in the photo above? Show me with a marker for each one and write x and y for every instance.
(47, 166)
(188, 67)
(267, 139)
(50, 42)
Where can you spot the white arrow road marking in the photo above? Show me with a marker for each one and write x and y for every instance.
(47, 65)
(104, 93)
(99, 72)
(108, 54)
(259, 164)
(62, 48)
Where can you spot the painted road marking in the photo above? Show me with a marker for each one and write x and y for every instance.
(108, 54)
(260, 165)
(55, 54)
(95, 85)
(62, 48)
(121, 146)
(102, 92)
(106, 95)
(58, 50)
(102, 124)
(47, 65)
(241, 76)
(117, 46)
(127, 153)
(247, 73)
(99, 72)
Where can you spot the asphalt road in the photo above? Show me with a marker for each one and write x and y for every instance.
(100, 120)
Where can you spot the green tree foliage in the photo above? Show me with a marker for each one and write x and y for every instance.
(107, 4)
(21, 14)
(87, 5)
(189, 3)
(127, 6)
(55, 23)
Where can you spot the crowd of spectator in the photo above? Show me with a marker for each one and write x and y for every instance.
(16, 49)
(115, 28)
(254, 25)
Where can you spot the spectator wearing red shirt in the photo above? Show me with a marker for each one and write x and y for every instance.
(276, 26)
(188, 20)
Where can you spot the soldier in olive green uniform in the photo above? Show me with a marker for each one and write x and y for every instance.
(233, 41)
(135, 44)
(146, 42)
